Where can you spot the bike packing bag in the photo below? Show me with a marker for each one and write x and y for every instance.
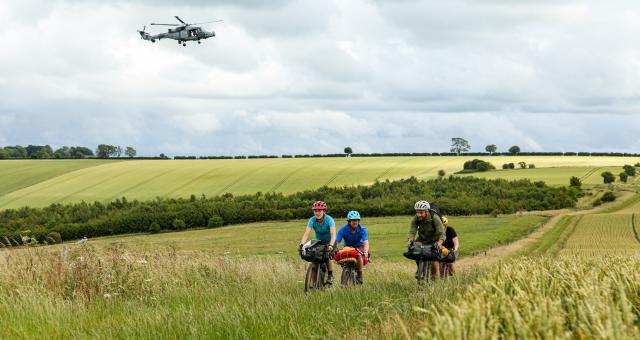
(315, 251)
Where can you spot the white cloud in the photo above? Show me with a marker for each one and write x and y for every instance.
(312, 76)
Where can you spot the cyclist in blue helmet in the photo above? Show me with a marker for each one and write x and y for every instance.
(355, 236)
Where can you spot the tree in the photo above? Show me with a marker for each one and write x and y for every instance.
(3, 154)
(630, 170)
(514, 150)
(118, 151)
(608, 177)
(575, 182)
(163, 156)
(441, 173)
(130, 152)
(624, 177)
(63, 152)
(459, 145)
(491, 148)
(348, 151)
(106, 151)
(523, 165)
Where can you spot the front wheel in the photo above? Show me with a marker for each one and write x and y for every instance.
(348, 276)
(310, 277)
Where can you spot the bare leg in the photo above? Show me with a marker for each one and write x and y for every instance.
(435, 269)
(359, 266)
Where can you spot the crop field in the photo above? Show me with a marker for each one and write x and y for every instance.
(387, 236)
(603, 234)
(40, 183)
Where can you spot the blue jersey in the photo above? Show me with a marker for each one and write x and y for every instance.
(354, 240)
(323, 230)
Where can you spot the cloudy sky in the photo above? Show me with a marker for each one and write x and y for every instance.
(308, 76)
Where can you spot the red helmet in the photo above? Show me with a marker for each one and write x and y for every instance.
(319, 205)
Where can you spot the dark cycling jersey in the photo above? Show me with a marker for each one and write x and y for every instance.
(450, 233)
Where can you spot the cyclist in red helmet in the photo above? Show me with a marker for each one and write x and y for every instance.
(325, 230)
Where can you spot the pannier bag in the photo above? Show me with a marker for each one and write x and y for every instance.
(315, 251)
(449, 258)
(347, 254)
(422, 252)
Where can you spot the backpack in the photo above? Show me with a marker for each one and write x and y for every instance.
(434, 210)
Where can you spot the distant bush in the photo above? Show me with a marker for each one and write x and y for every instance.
(215, 221)
(505, 166)
(523, 165)
(441, 173)
(532, 166)
(608, 177)
(154, 228)
(623, 177)
(54, 237)
(454, 195)
(597, 202)
(629, 170)
(608, 197)
(477, 165)
(495, 213)
(179, 224)
(575, 182)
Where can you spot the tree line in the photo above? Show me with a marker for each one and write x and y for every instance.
(455, 196)
(65, 152)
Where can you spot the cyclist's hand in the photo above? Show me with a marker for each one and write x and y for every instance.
(330, 248)
(410, 243)
(300, 248)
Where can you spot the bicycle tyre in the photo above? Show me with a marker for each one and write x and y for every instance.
(308, 282)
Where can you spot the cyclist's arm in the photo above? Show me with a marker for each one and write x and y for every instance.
(439, 230)
(456, 243)
(333, 235)
(366, 246)
(412, 231)
(306, 235)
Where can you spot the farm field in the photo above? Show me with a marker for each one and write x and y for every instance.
(105, 180)
(246, 282)
(387, 236)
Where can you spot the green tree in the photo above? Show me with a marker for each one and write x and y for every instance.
(575, 182)
(459, 145)
(441, 173)
(3, 153)
(106, 151)
(514, 150)
(523, 165)
(130, 152)
(491, 148)
(608, 177)
(348, 151)
(630, 170)
(624, 177)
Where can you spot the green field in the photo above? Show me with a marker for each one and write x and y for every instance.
(387, 236)
(39, 183)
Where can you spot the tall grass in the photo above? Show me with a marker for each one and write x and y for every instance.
(559, 298)
(122, 293)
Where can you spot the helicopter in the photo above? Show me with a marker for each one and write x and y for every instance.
(182, 32)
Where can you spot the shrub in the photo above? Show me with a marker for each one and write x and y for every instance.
(441, 173)
(495, 213)
(477, 165)
(532, 166)
(597, 202)
(154, 228)
(629, 170)
(54, 237)
(523, 165)
(623, 177)
(512, 166)
(608, 197)
(179, 224)
(608, 177)
(215, 221)
(505, 166)
(575, 182)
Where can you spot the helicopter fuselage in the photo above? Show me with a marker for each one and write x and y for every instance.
(181, 34)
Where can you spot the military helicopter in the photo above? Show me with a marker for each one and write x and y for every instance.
(182, 32)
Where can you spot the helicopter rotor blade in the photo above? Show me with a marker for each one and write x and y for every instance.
(177, 17)
(164, 24)
(208, 22)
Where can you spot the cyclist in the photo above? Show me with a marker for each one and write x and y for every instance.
(356, 236)
(451, 242)
(325, 230)
(430, 230)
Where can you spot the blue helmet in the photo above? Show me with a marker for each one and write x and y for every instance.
(353, 215)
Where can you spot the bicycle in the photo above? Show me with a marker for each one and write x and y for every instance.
(315, 277)
(317, 254)
(423, 255)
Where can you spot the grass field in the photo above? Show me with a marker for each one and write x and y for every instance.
(39, 183)
(387, 236)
